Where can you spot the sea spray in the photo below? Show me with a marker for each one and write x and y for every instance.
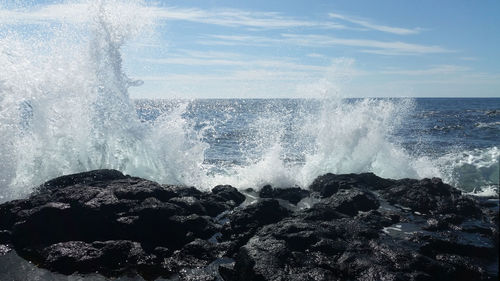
(293, 147)
(476, 171)
(65, 107)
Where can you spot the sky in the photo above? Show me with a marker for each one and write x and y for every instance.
(292, 48)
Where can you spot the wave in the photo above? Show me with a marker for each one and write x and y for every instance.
(473, 171)
(488, 124)
(447, 128)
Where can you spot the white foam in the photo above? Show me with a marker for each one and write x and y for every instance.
(487, 191)
(488, 124)
(474, 170)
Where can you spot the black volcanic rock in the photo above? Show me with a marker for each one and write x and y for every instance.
(243, 223)
(432, 196)
(356, 227)
(222, 198)
(92, 178)
(328, 184)
(108, 257)
(352, 201)
(292, 194)
(107, 222)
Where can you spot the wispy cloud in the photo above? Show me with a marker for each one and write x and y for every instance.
(469, 58)
(435, 70)
(314, 40)
(76, 13)
(237, 61)
(240, 18)
(394, 46)
(239, 40)
(315, 55)
(373, 26)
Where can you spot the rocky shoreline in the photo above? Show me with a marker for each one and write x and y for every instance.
(343, 227)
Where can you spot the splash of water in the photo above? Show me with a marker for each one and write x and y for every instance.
(476, 171)
(343, 136)
(65, 107)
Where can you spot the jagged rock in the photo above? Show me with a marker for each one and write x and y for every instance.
(359, 227)
(76, 222)
(243, 223)
(91, 178)
(107, 256)
(352, 201)
(223, 197)
(328, 184)
(431, 196)
(292, 194)
(5, 236)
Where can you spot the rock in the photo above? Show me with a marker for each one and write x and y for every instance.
(136, 189)
(431, 196)
(351, 201)
(456, 242)
(76, 256)
(244, 222)
(357, 227)
(222, 198)
(5, 236)
(292, 195)
(328, 184)
(228, 193)
(92, 178)
(190, 204)
(196, 254)
(60, 224)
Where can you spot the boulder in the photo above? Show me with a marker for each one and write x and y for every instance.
(291, 194)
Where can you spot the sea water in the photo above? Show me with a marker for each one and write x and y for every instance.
(65, 108)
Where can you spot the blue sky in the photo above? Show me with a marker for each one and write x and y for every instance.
(205, 49)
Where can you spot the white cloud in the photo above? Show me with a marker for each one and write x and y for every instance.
(314, 40)
(239, 18)
(435, 70)
(374, 26)
(243, 62)
(469, 58)
(394, 46)
(315, 55)
(78, 13)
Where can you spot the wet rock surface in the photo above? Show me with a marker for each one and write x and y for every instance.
(344, 227)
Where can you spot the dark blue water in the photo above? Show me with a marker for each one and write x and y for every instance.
(468, 123)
